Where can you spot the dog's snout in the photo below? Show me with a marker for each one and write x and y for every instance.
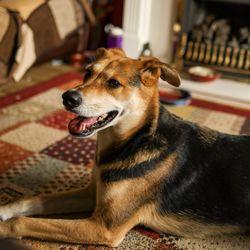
(72, 99)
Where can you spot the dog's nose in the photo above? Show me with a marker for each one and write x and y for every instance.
(72, 99)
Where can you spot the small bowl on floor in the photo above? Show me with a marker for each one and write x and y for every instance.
(202, 74)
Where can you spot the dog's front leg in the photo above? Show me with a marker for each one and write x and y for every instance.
(81, 200)
(85, 231)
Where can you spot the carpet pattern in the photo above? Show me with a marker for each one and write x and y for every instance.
(38, 156)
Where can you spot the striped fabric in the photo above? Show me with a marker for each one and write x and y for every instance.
(28, 28)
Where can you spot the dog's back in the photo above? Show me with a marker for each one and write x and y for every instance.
(211, 176)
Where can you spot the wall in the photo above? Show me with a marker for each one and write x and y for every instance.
(148, 20)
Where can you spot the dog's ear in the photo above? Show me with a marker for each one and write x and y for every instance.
(153, 68)
(102, 53)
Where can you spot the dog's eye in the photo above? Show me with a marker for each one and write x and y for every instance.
(87, 74)
(113, 83)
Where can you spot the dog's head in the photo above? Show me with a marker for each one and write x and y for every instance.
(115, 87)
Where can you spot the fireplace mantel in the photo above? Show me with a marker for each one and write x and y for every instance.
(148, 21)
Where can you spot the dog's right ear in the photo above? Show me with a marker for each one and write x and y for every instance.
(102, 53)
(153, 68)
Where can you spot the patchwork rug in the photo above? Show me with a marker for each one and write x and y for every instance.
(38, 156)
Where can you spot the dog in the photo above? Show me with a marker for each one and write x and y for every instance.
(151, 167)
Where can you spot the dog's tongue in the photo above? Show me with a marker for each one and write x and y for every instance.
(79, 124)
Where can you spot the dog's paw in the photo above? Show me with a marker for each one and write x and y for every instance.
(6, 213)
(9, 228)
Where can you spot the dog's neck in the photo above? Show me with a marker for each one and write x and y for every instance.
(131, 123)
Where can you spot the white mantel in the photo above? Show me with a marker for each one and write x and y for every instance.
(148, 21)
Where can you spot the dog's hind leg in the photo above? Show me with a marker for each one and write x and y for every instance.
(81, 200)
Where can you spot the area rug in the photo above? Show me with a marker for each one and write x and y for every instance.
(38, 156)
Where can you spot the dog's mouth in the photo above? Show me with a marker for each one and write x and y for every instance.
(84, 126)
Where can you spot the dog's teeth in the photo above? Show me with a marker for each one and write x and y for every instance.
(100, 118)
(83, 126)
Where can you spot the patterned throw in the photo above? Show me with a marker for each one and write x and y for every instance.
(30, 28)
(37, 156)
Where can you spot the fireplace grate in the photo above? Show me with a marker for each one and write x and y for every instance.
(216, 34)
(231, 61)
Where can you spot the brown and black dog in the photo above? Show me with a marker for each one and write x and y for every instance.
(152, 168)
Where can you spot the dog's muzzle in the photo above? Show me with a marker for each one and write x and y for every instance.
(71, 99)
(82, 126)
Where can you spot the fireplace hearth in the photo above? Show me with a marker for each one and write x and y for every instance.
(217, 34)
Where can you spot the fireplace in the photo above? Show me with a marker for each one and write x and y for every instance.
(216, 33)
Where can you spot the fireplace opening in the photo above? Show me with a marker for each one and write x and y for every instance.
(217, 34)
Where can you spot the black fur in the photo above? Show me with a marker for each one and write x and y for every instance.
(136, 171)
(210, 179)
(211, 182)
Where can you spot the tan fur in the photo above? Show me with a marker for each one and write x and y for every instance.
(116, 198)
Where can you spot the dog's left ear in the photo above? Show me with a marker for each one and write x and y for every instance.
(153, 69)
